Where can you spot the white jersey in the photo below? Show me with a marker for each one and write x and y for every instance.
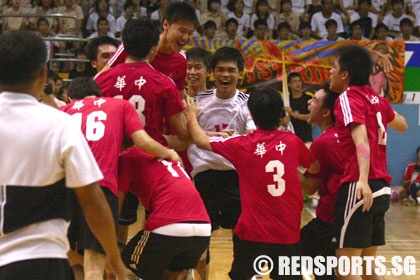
(415, 5)
(393, 23)
(356, 16)
(318, 23)
(243, 22)
(52, 149)
(216, 115)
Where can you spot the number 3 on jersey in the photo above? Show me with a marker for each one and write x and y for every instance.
(95, 128)
(279, 186)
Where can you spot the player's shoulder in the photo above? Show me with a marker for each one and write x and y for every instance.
(242, 96)
(203, 95)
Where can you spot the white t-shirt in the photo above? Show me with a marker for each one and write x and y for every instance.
(271, 22)
(243, 21)
(216, 115)
(393, 23)
(40, 146)
(318, 23)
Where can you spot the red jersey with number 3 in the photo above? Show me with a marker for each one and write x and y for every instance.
(271, 193)
(163, 187)
(362, 105)
(173, 65)
(153, 95)
(104, 122)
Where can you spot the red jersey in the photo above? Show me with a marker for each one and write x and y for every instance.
(412, 173)
(173, 65)
(270, 190)
(163, 187)
(154, 95)
(327, 150)
(104, 121)
(361, 104)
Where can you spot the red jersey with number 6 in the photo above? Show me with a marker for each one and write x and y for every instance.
(153, 95)
(104, 121)
(271, 193)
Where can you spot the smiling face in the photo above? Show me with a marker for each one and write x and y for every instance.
(178, 34)
(197, 74)
(226, 75)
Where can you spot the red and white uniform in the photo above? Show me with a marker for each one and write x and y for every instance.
(271, 193)
(104, 121)
(411, 173)
(173, 65)
(153, 95)
(361, 104)
(327, 150)
(163, 187)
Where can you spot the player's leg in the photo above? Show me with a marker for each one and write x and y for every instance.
(127, 217)
(94, 260)
(244, 254)
(316, 240)
(227, 186)
(147, 254)
(184, 263)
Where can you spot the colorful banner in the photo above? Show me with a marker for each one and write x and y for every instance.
(267, 62)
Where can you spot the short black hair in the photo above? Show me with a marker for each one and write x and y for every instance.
(354, 24)
(181, 11)
(41, 19)
(260, 22)
(139, 36)
(127, 4)
(232, 20)
(293, 75)
(418, 149)
(209, 24)
(329, 100)
(22, 56)
(200, 55)
(331, 22)
(406, 21)
(394, 2)
(228, 54)
(369, 2)
(356, 60)
(381, 25)
(266, 107)
(209, 2)
(284, 25)
(81, 87)
(304, 25)
(102, 19)
(95, 43)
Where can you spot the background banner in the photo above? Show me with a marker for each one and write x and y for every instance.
(267, 62)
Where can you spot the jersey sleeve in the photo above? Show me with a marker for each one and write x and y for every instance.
(306, 158)
(353, 109)
(226, 147)
(132, 122)
(119, 56)
(173, 102)
(79, 163)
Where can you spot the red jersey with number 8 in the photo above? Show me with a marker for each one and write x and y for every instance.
(153, 95)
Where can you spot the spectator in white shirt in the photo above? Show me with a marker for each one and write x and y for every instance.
(128, 14)
(392, 20)
(320, 18)
(367, 19)
(406, 27)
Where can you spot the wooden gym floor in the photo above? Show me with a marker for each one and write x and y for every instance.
(402, 239)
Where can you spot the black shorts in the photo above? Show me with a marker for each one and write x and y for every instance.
(79, 234)
(316, 240)
(354, 228)
(219, 190)
(245, 253)
(45, 269)
(149, 254)
(128, 214)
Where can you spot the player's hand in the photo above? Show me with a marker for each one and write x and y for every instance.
(117, 267)
(173, 155)
(224, 133)
(363, 191)
(191, 109)
(288, 110)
